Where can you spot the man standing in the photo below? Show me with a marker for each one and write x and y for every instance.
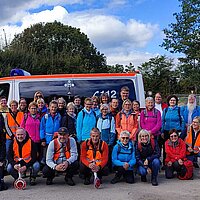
(22, 155)
(124, 94)
(94, 156)
(159, 104)
(61, 157)
(191, 110)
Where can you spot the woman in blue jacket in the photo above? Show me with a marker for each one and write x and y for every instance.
(123, 158)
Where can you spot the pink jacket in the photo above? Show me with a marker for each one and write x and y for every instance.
(32, 126)
(151, 121)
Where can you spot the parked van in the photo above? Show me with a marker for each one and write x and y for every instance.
(69, 85)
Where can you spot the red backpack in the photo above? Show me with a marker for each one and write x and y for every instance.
(189, 173)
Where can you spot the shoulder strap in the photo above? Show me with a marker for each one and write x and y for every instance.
(179, 114)
(166, 109)
(118, 149)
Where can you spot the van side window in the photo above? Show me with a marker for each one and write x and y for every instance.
(69, 88)
(4, 89)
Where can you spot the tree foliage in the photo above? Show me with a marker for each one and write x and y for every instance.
(158, 75)
(54, 48)
(183, 37)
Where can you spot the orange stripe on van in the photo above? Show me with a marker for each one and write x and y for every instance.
(69, 76)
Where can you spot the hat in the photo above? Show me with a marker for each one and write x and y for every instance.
(63, 130)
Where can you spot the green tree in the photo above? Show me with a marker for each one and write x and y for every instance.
(47, 48)
(158, 75)
(183, 37)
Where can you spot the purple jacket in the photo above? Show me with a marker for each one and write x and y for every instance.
(32, 126)
(151, 121)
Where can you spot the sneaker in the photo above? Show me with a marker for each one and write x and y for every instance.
(87, 181)
(195, 165)
(115, 180)
(32, 181)
(143, 179)
(97, 183)
(69, 181)
(49, 181)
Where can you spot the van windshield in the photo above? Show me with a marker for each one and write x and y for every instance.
(69, 88)
(4, 89)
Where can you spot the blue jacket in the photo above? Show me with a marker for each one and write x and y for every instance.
(85, 123)
(48, 126)
(171, 119)
(122, 154)
(106, 127)
(185, 112)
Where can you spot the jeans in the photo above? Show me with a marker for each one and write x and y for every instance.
(154, 166)
(194, 158)
(14, 173)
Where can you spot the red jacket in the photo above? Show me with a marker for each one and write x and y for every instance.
(175, 152)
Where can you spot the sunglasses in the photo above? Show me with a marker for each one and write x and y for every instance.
(39, 96)
(171, 136)
(123, 138)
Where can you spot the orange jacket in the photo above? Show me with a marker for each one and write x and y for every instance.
(88, 153)
(188, 141)
(129, 124)
(57, 149)
(11, 123)
(26, 151)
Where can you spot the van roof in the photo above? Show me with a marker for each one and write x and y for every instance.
(70, 76)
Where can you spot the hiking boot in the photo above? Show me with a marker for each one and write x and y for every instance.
(195, 165)
(143, 179)
(69, 181)
(87, 181)
(130, 179)
(49, 181)
(115, 180)
(3, 186)
(154, 181)
(32, 181)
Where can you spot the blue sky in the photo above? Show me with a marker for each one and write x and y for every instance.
(124, 30)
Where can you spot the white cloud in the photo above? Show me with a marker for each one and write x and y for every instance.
(116, 39)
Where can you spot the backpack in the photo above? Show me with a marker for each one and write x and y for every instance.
(94, 152)
(119, 150)
(189, 170)
(155, 113)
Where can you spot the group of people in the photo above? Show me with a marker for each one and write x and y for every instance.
(101, 136)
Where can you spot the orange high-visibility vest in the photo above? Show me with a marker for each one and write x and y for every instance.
(57, 149)
(12, 123)
(26, 151)
(93, 155)
(188, 141)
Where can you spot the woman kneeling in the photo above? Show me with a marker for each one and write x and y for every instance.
(147, 154)
(123, 158)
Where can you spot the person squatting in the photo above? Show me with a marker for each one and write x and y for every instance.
(101, 136)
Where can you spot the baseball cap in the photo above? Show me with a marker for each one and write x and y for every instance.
(63, 130)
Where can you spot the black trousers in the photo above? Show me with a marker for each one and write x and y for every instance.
(120, 171)
(180, 169)
(87, 172)
(70, 171)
